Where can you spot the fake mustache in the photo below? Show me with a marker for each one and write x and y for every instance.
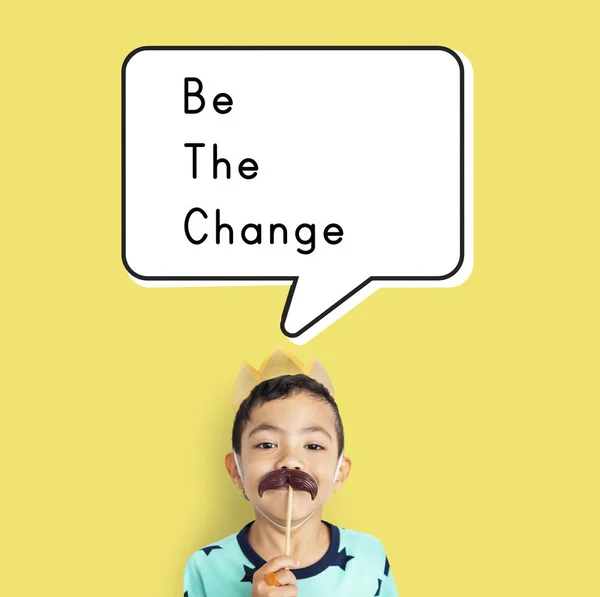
(283, 477)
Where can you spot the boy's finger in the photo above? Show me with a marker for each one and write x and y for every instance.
(286, 577)
(287, 591)
(278, 563)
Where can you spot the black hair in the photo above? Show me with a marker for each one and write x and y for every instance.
(278, 388)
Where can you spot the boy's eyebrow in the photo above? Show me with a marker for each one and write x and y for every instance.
(268, 427)
(264, 427)
(316, 428)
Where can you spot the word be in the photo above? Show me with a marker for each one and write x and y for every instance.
(221, 104)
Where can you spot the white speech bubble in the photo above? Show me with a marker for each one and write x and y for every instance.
(371, 146)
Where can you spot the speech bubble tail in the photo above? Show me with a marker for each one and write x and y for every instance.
(315, 302)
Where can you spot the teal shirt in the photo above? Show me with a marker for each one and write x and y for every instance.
(355, 565)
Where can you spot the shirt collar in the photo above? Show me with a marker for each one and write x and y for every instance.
(312, 570)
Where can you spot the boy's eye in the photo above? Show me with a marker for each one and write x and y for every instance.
(315, 447)
(266, 445)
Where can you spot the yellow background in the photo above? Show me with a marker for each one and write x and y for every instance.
(471, 413)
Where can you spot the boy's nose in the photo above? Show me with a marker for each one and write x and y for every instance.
(290, 460)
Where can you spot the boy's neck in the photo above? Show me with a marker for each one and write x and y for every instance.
(308, 543)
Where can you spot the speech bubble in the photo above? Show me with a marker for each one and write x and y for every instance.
(339, 169)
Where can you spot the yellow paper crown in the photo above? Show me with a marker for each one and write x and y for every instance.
(278, 363)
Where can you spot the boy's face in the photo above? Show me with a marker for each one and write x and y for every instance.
(296, 432)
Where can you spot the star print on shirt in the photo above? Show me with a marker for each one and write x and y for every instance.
(386, 571)
(378, 587)
(208, 549)
(248, 574)
(341, 559)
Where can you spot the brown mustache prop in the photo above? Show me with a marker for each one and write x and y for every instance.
(283, 477)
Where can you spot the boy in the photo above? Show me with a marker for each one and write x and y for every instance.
(289, 430)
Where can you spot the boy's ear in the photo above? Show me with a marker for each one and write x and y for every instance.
(232, 470)
(342, 473)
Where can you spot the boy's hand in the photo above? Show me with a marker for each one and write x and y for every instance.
(286, 578)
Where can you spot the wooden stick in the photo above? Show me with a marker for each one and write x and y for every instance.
(288, 525)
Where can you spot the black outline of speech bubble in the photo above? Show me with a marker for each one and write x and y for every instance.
(294, 279)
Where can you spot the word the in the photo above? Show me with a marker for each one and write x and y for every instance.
(247, 168)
